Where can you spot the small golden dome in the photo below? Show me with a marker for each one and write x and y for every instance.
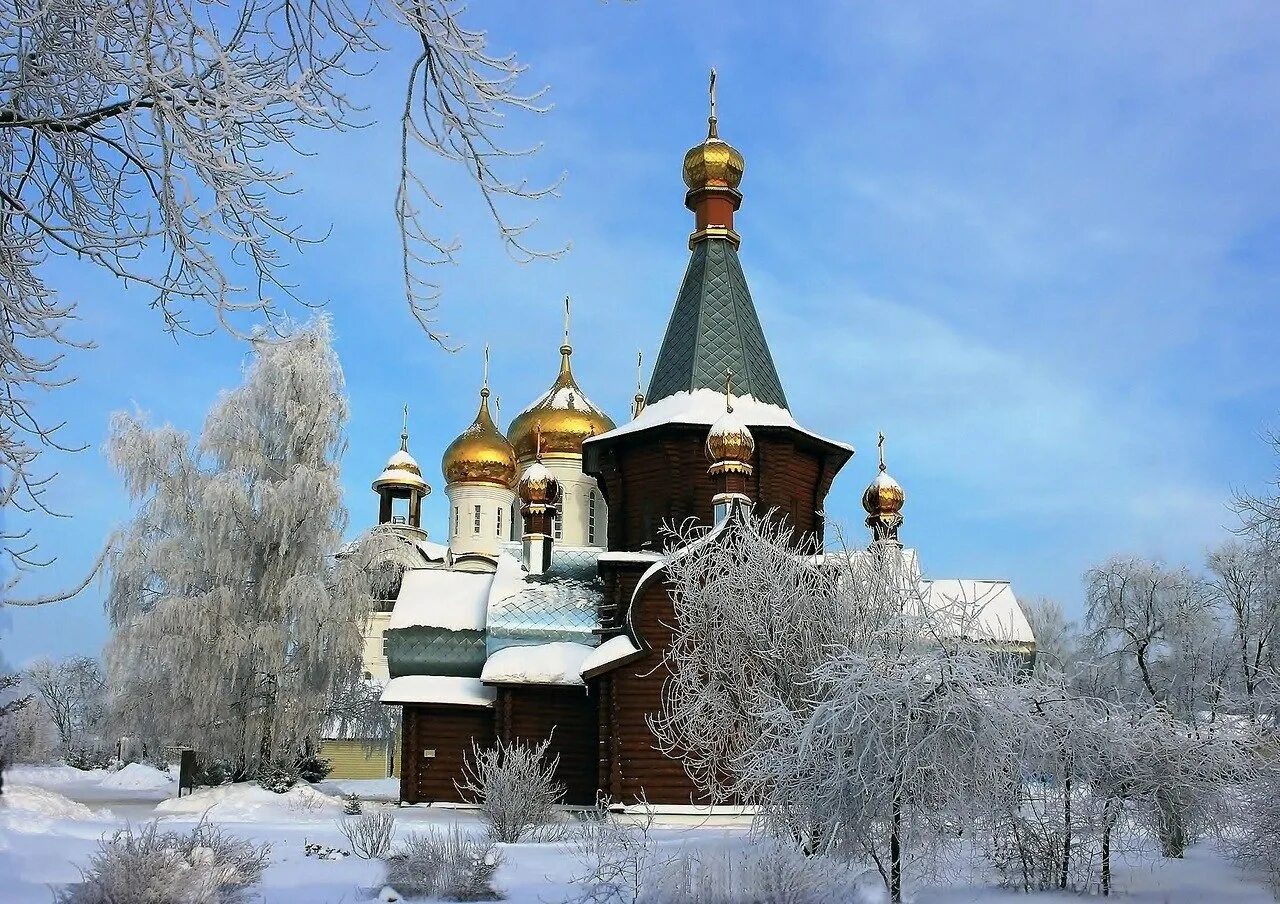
(884, 496)
(538, 486)
(730, 440)
(565, 414)
(713, 164)
(480, 454)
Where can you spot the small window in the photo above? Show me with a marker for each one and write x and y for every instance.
(591, 518)
(498, 531)
(455, 520)
(557, 524)
(515, 522)
(475, 521)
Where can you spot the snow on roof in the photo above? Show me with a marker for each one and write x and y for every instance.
(705, 407)
(438, 689)
(560, 605)
(545, 663)
(995, 612)
(563, 398)
(611, 651)
(440, 598)
(629, 557)
(434, 552)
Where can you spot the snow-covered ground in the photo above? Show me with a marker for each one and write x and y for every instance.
(52, 817)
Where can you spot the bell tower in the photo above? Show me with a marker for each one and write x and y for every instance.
(401, 487)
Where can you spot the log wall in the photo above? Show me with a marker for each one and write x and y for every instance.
(566, 715)
(448, 730)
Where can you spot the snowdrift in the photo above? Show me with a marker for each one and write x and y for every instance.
(247, 802)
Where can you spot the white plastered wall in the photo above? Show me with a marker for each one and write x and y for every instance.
(576, 490)
(495, 512)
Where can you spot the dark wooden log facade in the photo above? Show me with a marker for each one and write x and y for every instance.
(659, 477)
(448, 731)
(566, 715)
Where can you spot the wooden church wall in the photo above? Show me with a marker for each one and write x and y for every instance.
(448, 731)
(631, 766)
(566, 715)
(662, 479)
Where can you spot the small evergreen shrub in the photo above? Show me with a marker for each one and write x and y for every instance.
(211, 772)
(446, 865)
(351, 804)
(276, 777)
(312, 768)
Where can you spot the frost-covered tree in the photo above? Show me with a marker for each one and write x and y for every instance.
(73, 693)
(822, 690)
(151, 140)
(235, 624)
(1245, 582)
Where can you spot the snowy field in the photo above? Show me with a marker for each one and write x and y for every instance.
(52, 817)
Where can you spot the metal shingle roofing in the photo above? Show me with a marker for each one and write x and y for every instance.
(713, 328)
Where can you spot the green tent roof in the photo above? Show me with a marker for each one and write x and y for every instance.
(714, 328)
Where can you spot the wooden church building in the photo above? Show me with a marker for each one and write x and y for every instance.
(546, 614)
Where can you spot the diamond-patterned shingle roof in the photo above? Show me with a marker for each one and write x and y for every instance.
(715, 328)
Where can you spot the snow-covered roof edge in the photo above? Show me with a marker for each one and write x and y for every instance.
(703, 407)
(438, 689)
(558, 663)
(614, 652)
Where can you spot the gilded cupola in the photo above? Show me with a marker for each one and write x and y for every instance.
(564, 413)
(714, 163)
(730, 444)
(883, 501)
(481, 454)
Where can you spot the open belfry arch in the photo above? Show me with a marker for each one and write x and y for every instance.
(555, 624)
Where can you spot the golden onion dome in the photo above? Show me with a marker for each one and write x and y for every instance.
(566, 417)
(884, 496)
(538, 486)
(715, 163)
(730, 440)
(480, 454)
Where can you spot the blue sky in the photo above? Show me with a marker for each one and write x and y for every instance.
(1037, 244)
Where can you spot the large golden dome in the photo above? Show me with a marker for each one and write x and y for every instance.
(481, 454)
(564, 414)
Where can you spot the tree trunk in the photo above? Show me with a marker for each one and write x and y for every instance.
(895, 852)
(1066, 826)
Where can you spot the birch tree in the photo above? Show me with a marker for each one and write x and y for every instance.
(73, 693)
(234, 623)
(151, 140)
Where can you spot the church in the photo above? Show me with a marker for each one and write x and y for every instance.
(546, 613)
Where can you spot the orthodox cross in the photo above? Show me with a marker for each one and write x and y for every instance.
(728, 386)
(880, 447)
(404, 431)
(497, 405)
(537, 441)
(485, 381)
(711, 120)
(639, 372)
(566, 319)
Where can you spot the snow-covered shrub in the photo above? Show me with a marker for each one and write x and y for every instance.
(203, 866)
(616, 858)
(212, 772)
(369, 836)
(351, 804)
(446, 865)
(276, 776)
(767, 872)
(513, 784)
(313, 768)
(1258, 824)
(88, 758)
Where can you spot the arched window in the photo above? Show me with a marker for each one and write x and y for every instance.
(498, 515)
